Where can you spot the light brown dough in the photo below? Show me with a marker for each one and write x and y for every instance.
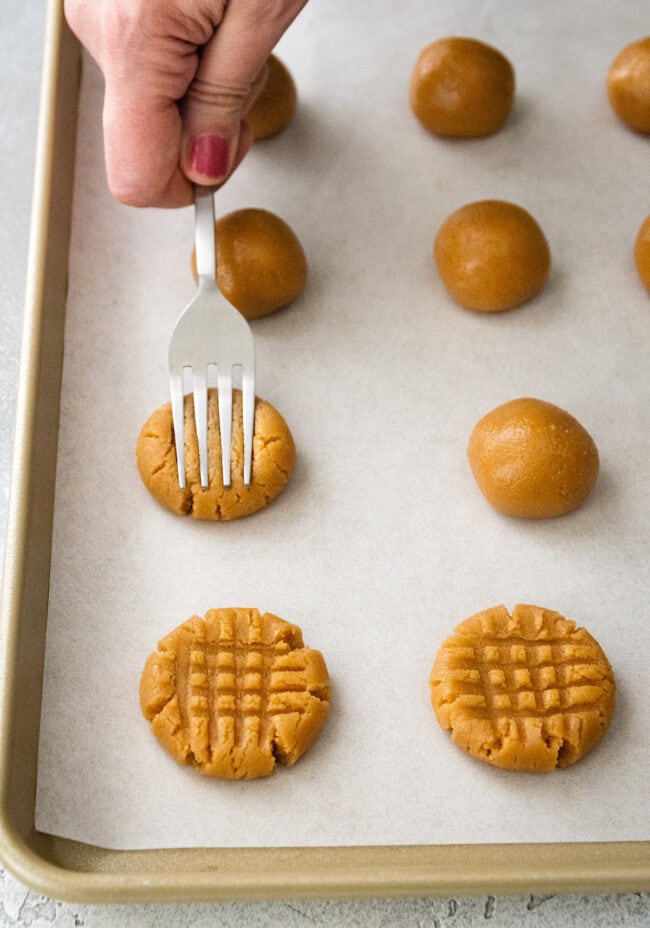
(528, 691)
(261, 265)
(492, 255)
(234, 692)
(628, 85)
(533, 460)
(274, 457)
(642, 253)
(461, 88)
(275, 105)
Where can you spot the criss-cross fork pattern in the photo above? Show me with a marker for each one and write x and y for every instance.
(233, 689)
(502, 679)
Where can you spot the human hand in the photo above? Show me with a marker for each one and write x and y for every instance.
(180, 76)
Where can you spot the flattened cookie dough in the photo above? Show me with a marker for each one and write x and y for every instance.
(274, 457)
(528, 691)
(234, 692)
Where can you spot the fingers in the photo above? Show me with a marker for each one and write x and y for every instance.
(230, 74)
(208, 54)
(142, 149)
(147, 68)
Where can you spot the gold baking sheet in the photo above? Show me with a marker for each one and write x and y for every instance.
(75, 871)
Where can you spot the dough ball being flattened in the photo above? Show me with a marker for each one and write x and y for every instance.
(492, 255)
(462, 88)
(532, 460)
(642, 253)
(234, 692)
(275, 105)
(628, 85)
(528, 691)
(274, 457)
(261, 265)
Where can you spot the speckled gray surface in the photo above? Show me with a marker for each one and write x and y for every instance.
(23, 908)
(19, 91)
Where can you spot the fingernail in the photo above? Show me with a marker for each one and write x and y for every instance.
(209, 155)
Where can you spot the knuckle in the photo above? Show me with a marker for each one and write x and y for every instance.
(135, 192)
(130, 197)
(275, 13)
(226, 99)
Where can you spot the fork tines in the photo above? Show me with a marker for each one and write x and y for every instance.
(210, 331)
(200, 403)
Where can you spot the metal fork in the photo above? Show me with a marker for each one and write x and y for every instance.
(210, 331)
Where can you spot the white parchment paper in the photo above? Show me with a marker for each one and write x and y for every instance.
(382, 542)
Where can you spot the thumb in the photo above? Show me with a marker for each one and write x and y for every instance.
(229, 76)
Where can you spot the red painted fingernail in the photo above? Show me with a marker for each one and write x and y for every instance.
(209, 155)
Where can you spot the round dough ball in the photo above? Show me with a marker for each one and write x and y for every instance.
(274, 457)
(261, 265)
(642, 253)
(275, 105)
(532, 460)
(462, 88)
(492, 255)
(628, 85)
(528, 691)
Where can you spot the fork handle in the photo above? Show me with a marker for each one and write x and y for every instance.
(206, 258)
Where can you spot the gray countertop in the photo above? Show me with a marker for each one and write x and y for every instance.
(19, 92)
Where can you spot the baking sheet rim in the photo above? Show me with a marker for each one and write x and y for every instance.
(350, 872)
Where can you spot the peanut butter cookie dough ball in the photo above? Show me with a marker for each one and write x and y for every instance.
(261, 265)
(492, 256)
(275, 105)
(528, 692)
(274, 457)
(628, 85)
(642, 254)
(462, 88)
(532, 460)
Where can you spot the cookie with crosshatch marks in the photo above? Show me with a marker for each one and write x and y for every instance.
(234, 692)
(529, 691)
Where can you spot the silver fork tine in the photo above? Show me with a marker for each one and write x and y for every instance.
(200, 391)
(224, 385)
(178, 417)
(248, 411)
(206, 267)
